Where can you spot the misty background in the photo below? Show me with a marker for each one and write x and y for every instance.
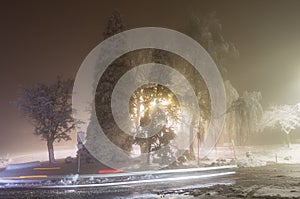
(43, 39)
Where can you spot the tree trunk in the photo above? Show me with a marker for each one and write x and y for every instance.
(148, 155)
(200, 139)
(145, 149)
(50, 151)
(191, 148)
(198, 151)
(288, 140)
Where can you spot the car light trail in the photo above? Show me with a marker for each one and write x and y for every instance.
(169, 171)
(23, 177)
(33, 176)
(46, 168)
(194, 177)
(114, 178)
(111, 171)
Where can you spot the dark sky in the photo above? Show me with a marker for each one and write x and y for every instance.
(42, 39)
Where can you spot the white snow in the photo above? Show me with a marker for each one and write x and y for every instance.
(273, 191)
(60, 153)
(259, 155)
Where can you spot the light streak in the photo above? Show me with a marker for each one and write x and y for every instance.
(143, 181)
(33, 176)
(46, 168)
(110, 171)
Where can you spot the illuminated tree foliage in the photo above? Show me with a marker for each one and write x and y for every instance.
(49, 109)
(144, 105)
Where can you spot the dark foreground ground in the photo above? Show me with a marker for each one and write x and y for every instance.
(272, 181)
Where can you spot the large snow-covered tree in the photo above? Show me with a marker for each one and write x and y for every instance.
(115, 25)
(109, 79)
(229, 131)
(105, 88)
(207, 30)
(287, 117)
(49, 109)
(247, 112)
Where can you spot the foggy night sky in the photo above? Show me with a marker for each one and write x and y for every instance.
(40, 40)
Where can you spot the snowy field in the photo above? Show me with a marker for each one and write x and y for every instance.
(61, 152)
(249, 156)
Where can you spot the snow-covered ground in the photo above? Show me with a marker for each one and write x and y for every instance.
(42, 156)
(251, 156)
(61, 152)
(257, 155)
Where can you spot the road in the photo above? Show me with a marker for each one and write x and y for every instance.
(38, 183)
(271, 181)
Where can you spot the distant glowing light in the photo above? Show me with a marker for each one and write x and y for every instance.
(165, 102)
(142, 108)
(153, 103)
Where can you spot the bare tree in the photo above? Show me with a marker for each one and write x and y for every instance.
(287, 117)
(49, 109)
